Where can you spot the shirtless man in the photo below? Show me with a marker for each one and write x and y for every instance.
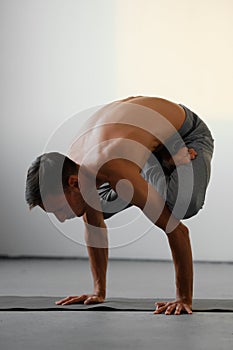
(143, 151)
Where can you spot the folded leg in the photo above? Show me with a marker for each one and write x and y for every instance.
(187, 185)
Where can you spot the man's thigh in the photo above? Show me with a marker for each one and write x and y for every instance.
(183, 190)
(187, 185)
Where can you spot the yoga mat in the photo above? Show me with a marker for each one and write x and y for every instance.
(42, 303)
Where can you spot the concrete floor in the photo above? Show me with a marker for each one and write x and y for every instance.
(113, 330)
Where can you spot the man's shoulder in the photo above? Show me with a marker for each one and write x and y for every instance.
(117, 169)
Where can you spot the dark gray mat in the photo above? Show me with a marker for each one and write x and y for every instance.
(42, 303)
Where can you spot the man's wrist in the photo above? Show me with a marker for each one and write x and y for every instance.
(100, 293)
(184, 299)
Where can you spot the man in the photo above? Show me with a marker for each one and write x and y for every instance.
(143, 151)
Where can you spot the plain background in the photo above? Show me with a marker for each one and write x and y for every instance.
(61, 57)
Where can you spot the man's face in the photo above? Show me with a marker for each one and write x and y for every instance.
(64, 206)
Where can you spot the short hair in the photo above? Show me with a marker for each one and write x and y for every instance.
(48, 174)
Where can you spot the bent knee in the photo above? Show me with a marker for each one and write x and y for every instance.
(186, 207)
(195, 205)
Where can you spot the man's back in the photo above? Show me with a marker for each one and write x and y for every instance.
(128, 129)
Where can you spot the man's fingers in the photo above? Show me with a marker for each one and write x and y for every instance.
(192, 153)
(59, 302)
(85, 298)
(192, 150)
(160, 309)
(75, 300)
(170, 309)
(178, 309)
(188, 309)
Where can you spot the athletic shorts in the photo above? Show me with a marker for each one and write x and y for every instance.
(183, 188)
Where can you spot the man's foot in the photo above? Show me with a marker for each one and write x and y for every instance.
(184, 156)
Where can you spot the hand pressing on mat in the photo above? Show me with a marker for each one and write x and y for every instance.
(84, 298)
(176, 307)
(182, 257)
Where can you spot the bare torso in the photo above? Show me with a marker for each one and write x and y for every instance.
(112, 146)
(128, 129)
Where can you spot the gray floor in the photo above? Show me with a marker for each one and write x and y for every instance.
(113, 330)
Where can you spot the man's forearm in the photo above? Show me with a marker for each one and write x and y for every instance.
(98, 257)
(98, 261)
(182, 256)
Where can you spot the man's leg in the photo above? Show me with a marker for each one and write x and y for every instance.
(187, 185)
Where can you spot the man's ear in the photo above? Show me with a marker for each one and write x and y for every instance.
(73, 183)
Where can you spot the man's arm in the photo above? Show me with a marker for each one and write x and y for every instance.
(182, 257)
(97, 246)
(153, 206)
(179, 242)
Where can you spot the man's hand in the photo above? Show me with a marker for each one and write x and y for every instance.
(175, 307)
(84, 298)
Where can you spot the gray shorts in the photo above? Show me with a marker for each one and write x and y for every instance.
(183, 188)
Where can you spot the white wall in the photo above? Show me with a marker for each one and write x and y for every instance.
(181, 49)
(60, 57)
(57, 58)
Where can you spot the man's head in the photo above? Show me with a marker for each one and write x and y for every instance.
(52, 183)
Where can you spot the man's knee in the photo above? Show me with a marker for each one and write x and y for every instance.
(196, 203)
(186, 206)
